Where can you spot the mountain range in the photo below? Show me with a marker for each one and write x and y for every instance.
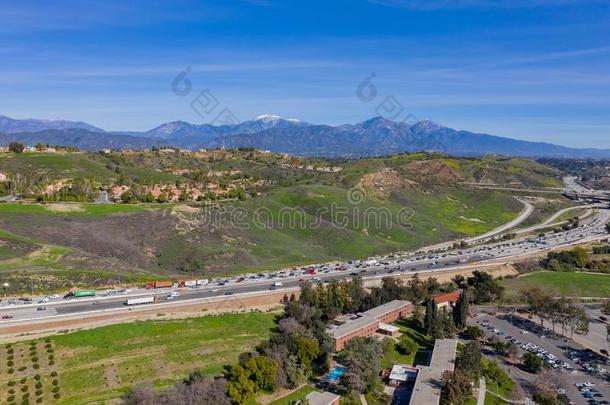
(377, 136)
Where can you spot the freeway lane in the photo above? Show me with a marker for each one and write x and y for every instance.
(391, 265)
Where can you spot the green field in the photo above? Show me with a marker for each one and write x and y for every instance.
(102, 363)
(294, 396)
(562, 283)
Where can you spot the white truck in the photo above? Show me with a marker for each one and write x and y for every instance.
(140, 301)
(203, 282)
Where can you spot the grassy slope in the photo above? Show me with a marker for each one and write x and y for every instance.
(103, 362)
(562, 283)
(443, 209)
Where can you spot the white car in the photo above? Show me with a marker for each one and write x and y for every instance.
(524, 332)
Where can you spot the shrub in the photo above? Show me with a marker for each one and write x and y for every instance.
(55, 382)
(56, 395)
(22, 368)
(36, 366)
(10, 351)
(11, 391)
(11, 383)
(37, 377)
(11, 370)
(51, 357)
(11, 398)
(25, 388)
(38, 385)
(10, 363)
(24, 380)
(38, 393)
(35, 359)
(55, 390)
(51, 363)
(38, 400)
(53, 373)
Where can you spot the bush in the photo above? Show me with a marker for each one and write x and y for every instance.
(11, 398)
(22, 368)
(11, 370)
(11, 391)
(36, 366)
(37, 377)
(24, 380)
(38, 385)
(51, 357)
(38, 393)
(10, 363)
(10, 351)
(51, 363)
(53, 373)
(406, 345)
(55, 382)
(34, 359)
(38, 400)
(25, 388)
(532, 362)
(55, 390)
(11, 383)
(56, 395)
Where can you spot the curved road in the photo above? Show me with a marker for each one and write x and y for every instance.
(392, 265)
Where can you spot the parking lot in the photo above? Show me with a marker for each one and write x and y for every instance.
(568, 362)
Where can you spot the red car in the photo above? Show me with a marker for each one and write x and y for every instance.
(7, 316)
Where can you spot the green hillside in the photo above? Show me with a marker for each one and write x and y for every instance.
(295, 212)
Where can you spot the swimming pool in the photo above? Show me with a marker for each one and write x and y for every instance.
(335, 374)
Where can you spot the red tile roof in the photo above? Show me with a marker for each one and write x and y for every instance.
(447, 297)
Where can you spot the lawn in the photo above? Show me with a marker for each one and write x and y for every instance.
(408, 327)
(294, 396)
(574, 284)
(104, 362)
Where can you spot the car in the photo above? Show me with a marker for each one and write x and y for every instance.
(7, 316)
(524, 332)
(41, 309)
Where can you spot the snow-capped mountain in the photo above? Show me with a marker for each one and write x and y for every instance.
(375, 136)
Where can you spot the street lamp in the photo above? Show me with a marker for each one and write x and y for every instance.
(5, 286)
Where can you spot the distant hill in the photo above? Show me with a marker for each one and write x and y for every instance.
(375, 137)
(81, 138)
(10, 125)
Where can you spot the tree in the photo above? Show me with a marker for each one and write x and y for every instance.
(307, 350)
(460, 312)
(456, 388)
(484, 288)
(141, 394)
(473, 332)
(262, 372)
(362, 359)
(532, 362)
(406, 345)
(431, 316)
(16, 147)
(469, 359)
(240, 388)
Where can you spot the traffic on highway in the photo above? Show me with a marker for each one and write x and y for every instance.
(420, 261)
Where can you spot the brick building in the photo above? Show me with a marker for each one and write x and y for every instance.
(367, 323)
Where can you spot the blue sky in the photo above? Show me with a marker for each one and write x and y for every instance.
(528, 69)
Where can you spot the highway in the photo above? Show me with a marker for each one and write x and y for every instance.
(392, 265)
